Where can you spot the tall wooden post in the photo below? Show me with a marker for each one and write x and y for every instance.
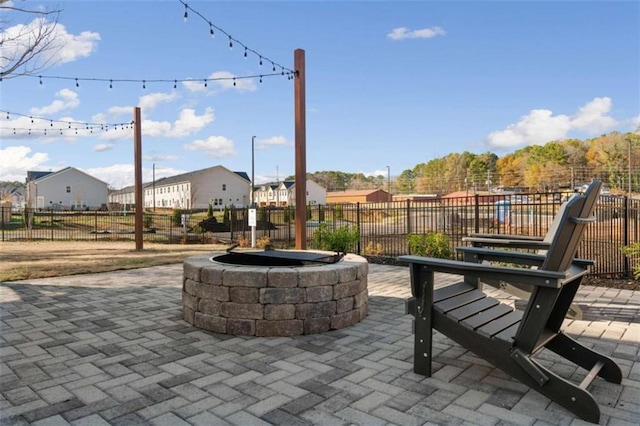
(301, 150)
(137, 157)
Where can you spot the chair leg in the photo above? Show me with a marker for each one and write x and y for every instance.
(422, 347)
(586, 358)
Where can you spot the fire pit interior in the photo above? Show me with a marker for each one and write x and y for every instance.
(274, 292)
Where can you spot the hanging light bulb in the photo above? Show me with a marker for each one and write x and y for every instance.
(51, 123)
(7, 115)
(273, 67)
(260, 60)
(31, 118)
(205, 82)
(186, 13)
(175, 83)
(144, 84)
(260, 79)
(40, 77)
(234, 81)
(245, 52)
(213, 35)
(230, 43)
(77, 84)
(110, 84)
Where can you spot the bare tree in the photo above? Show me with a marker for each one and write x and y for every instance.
(26, 49)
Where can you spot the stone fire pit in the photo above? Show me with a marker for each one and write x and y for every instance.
(274, 300)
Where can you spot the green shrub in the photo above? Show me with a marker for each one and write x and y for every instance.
(225, 216)
(633, 253)
(435, 244)
(337, 212)
(147, 220)
(210, 210)
(287, 214)
(176, 217)
(342, 239)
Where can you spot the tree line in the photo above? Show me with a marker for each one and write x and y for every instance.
(554, 166)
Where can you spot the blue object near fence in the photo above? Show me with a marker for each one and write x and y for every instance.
(502, 212)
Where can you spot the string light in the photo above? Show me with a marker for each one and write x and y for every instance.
(144, 82)
(233, 40)
(186, 12)
(61, 125)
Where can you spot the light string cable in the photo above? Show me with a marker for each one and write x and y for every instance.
(262, 58)
(276, 68)
(49, 125)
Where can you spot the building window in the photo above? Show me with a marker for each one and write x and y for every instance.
(68, 189)
(224, 186)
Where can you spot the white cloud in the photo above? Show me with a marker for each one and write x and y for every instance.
(160, 157)
(150, 101)
(68, 100)
(101, 147)
(592, 117)
(188, 122)
(64, 47)
(219, 81)
(541, 126)
(403, 33)
(121, 175)
(263, 144)
(213, 147)
(15, 161)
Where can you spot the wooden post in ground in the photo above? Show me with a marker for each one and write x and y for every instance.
(301, 150)
(137, 156)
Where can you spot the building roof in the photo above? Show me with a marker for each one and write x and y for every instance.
(49, 175)
(34, 175)
(353, 193)
(190, 175)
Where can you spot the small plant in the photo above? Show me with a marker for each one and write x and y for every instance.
(337, 212)
(147, 220)
(287, 214)
(435, 244)
(244, 241)
(633, 253)
(373, 249)
(210, 210)
(342, 239)
(263, 242)
(225, 216)
(176, 217)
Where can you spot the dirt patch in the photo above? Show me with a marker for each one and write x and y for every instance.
(28, 260)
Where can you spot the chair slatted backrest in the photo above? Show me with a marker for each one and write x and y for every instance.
(572, 224)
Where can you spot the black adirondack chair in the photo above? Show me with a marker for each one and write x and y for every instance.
(506, 337)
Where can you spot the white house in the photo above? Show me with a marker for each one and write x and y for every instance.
(68, 188)
(284, 194)
(216, 185)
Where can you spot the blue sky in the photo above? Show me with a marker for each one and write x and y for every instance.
(388, 84)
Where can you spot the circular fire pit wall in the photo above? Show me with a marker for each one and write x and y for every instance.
(274, 300)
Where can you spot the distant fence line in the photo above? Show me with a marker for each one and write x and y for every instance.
(384, 227)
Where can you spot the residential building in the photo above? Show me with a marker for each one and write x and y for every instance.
(358, 196)
(283, 194)
(65, 189)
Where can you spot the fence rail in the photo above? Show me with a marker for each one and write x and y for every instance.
(384, 227)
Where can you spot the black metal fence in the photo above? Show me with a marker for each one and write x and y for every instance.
(384, 227)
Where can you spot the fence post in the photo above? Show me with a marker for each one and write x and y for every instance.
(51, 223)
(625, 235)
(358, 225)
(476, 212)
(95, 223)
(2, 211)
(408, 216)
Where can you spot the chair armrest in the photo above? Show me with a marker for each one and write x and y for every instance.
(537, 277)
(509, 256)
(508, 243)
(503, 236)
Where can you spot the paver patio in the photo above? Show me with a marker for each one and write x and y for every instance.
(111, 348)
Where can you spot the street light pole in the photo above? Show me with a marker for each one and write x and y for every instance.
(253, 206)
(388, 183)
